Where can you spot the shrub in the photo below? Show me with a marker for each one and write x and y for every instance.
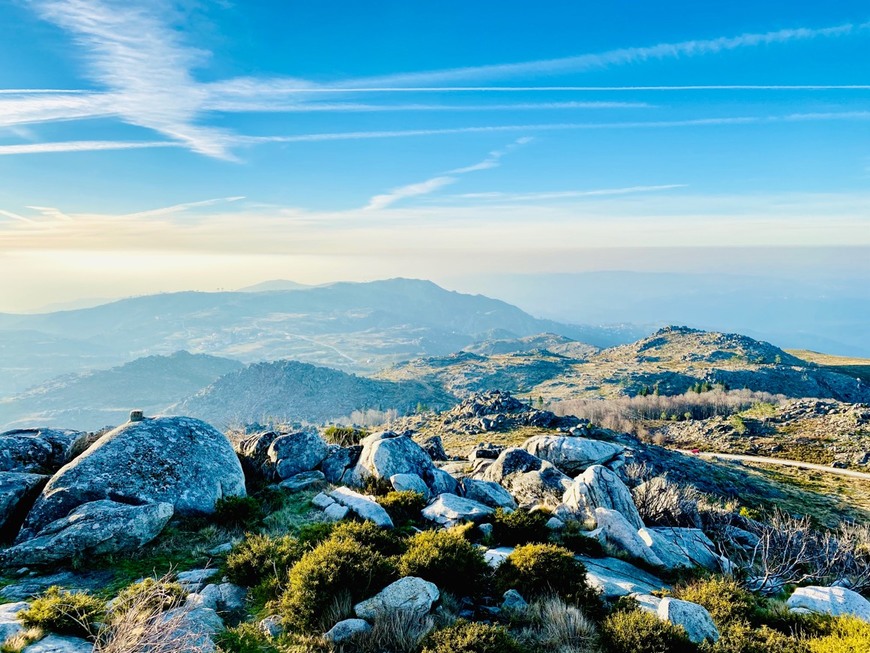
(344, 436)
(368, 534)
(310, 535)
(446, 558)
(378, 487)
(261, 560)
(403, 507)
(724, 598)
(237, 512)
(740, 637)
(244, 638)
(575, 539)
(519, 527)
(66, 613)
(471, 637)
(537, 570)
(151, 594)
(336, 570)
(636, 631)
(847, 635)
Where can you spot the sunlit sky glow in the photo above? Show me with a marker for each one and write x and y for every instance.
(154, 146)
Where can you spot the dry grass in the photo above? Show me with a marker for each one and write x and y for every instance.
(398, 631)
(854, 367)
(17, 643)
(142, 626)
(549, 624)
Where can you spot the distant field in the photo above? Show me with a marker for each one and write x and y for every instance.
(856, 367)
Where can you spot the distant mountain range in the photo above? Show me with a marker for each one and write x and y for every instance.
(356, 327)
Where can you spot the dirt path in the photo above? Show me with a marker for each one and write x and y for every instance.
(779, 461)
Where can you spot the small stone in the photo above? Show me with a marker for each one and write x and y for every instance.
(271, 626)
(336, 512)
(322, 501)
(513, 601)
(347, 630)
(304, 481)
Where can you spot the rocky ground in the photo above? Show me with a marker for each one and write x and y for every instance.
(441, 517)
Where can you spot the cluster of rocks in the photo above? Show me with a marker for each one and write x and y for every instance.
(117, 495)
(207, 609)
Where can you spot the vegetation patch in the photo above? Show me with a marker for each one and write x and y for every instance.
(65, 613)
(448, 559)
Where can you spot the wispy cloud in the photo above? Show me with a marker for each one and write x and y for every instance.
(144, 73)
(178, 208)
(81, 146)
(15, 216)
(493, 160)
(567, 194)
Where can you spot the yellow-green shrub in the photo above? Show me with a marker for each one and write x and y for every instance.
(336, 570)
(152, 594)
(366, 533)
(847, 635)
(636, 631)
(519, 527)
(470, 637)
(446, 558)
(262, 561)
(67, 613)
(403, 507)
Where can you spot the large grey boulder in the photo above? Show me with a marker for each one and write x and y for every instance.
(614, 577)
(93, 528)
(295, 453)
(694, 618)
(386, 454)
(18, 491)
(347, 630)
(338, 461)
(489, 493)
(618, 532)
(409, 595)
(38, 451)
(449, 509)
(834, 601)
(598, 487)
(442, 482)
(529, 479)
(176, 460)
(694, 544)
(671, 555)
(314, 479)
(572, 455)
(362, 505)
(59, 644)
(409, 483)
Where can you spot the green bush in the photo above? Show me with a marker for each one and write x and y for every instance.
(151, 594)
(576, 540)
(66, 613)
(344, 436)
(338, 569)
(847, 635)
(520, 527)
(740, 637)
(537, 570)
(237, 512)
(403, 507)
(244, 638)
(725, 600)
(470, 637)
(262, 561)
(446, 558)
(636, 631)
(378, 487)
(383, 540)
(310, 535)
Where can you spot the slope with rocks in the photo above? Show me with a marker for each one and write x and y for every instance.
(95, 399)
(294, 391)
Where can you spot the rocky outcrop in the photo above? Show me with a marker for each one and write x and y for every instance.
(529, 479)
(695, 545)
(94, 528)
(304, 481)
(614, 577)
(338, 461)
(38, 451)
(834, 601)
(52, 643)
(386, 454)
(449, 509)
(363, 506)
(9, 624)
(176, 460)
(18, 491)
(409, 595)
(598, 487)
(572, 455)
(253, 453)
(435, 448)
(295, 453)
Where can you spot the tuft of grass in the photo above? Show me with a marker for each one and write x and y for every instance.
(65, 613)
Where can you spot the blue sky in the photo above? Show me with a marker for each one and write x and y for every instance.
(149, 146)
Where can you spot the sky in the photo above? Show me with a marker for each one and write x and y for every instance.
(158, 146)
